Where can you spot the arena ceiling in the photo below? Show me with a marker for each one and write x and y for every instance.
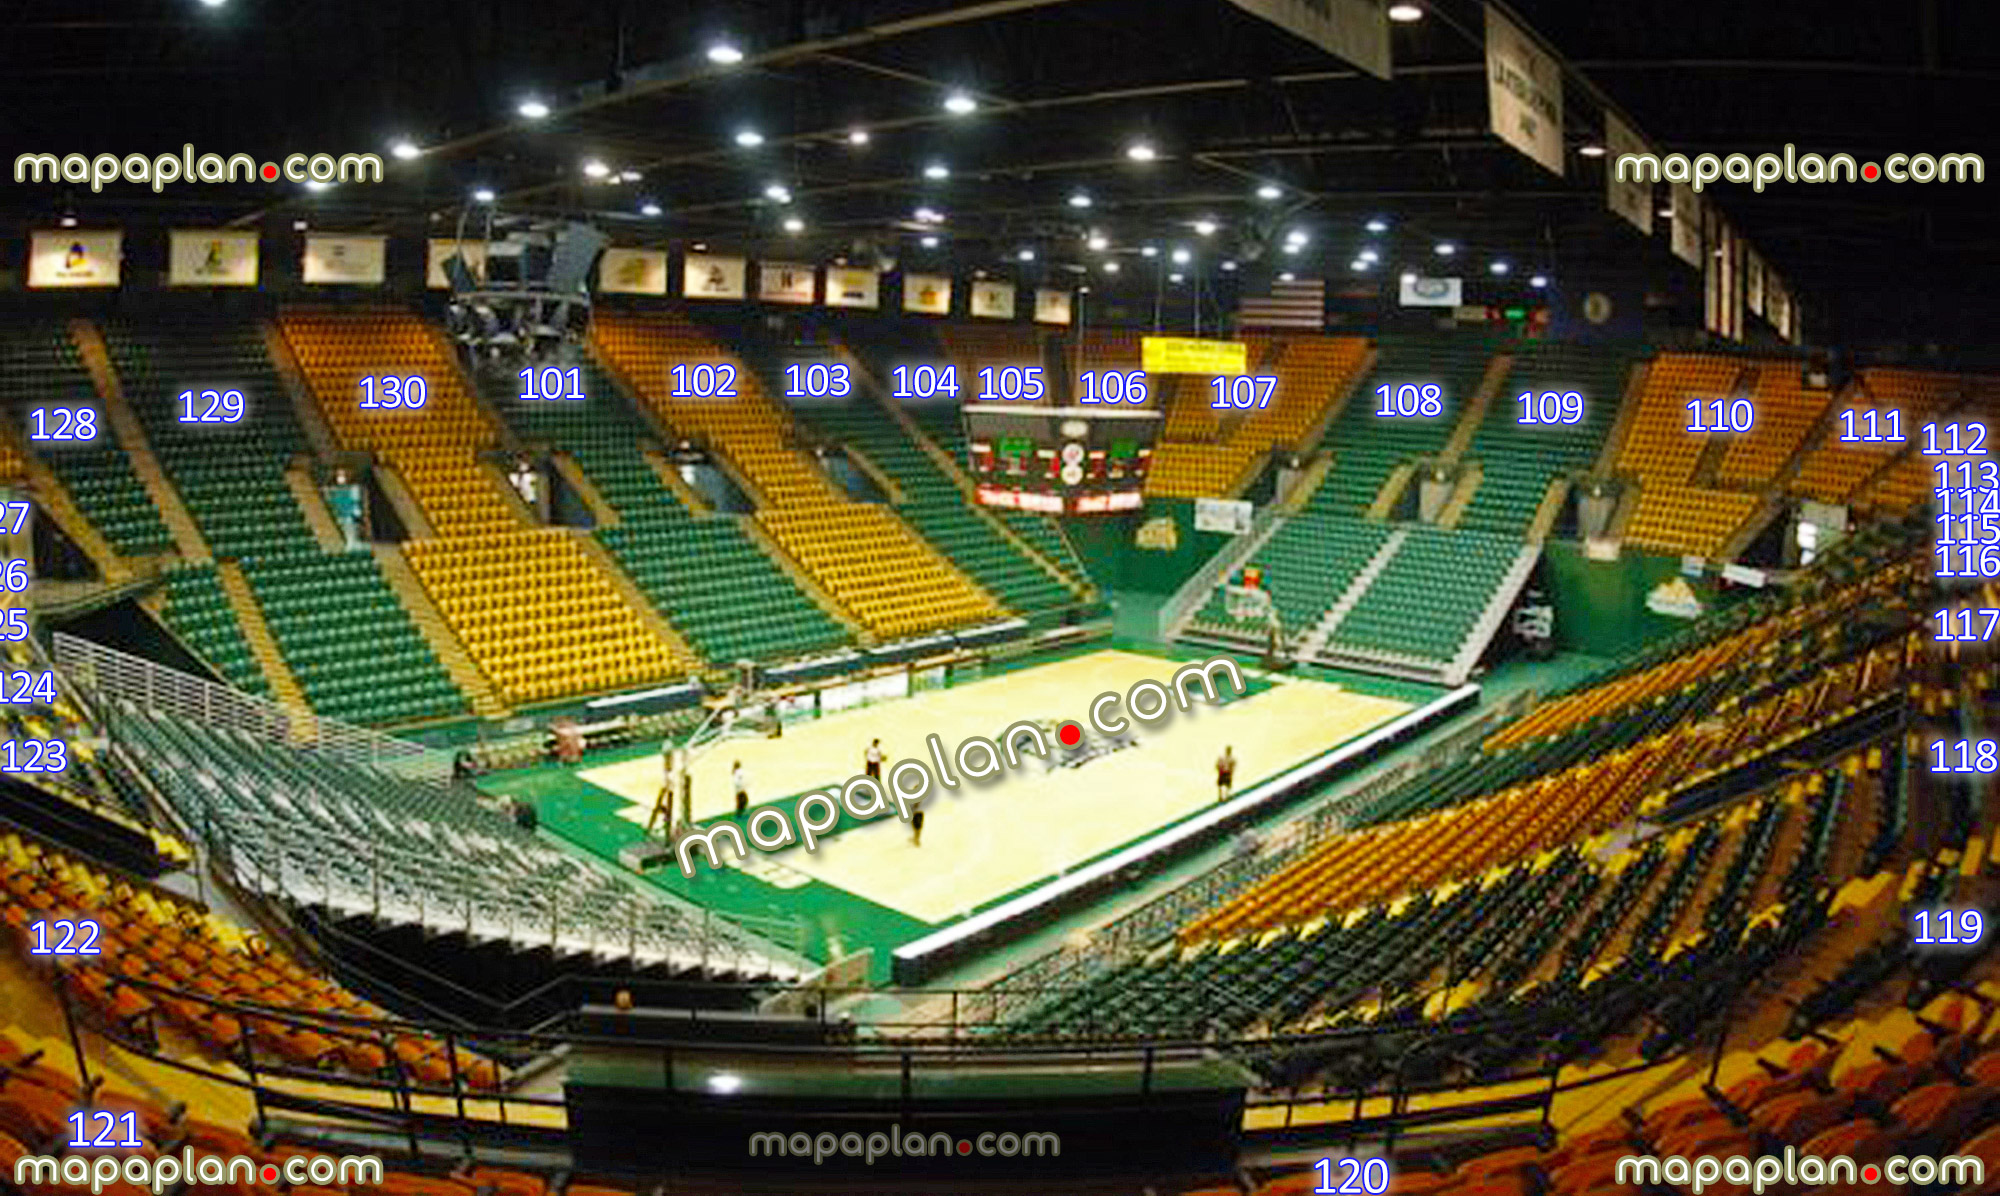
(1061, 93)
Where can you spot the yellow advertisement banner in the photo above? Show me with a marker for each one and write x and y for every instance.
(1189, 355)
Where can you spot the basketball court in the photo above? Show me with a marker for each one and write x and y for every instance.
(986, 840)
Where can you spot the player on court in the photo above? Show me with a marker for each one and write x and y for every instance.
(741, 781)
(1225, 773)
(871, 760)
(917, 827)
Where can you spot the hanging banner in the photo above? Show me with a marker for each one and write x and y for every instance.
(712, 276)
(851, 286)
(1051, 306)
(1354, 30)
(211, 257)
(1227, 515)
(994, 300)
(1686, 230)
(1419, 291)
(71, 257)
(929, 294)
(633, 272)
(1524, 93)
(1753, 282)
(1631, 198)
(355, 261)
(440, 249)
(1777, 303)
(787, 282)
(1188, 355)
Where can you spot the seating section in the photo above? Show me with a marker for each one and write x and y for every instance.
(534, 611)
(199, 611)
(1658, 447)
(1694, 520)
(933, 504)
(1786, 411)
(425, 854)
(1367, 447)
(152, 937)
(41, 367)
(870, 561)
(1427, 598)
(735, 602)
(1308, 564)
(1518, 461)
(1312, 372)
(314, 604)
(230, 476)
(973, 347)
(1833, 470)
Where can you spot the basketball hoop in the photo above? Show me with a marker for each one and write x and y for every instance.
(1247, 604)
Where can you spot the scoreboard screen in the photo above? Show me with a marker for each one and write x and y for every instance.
(1059, 460)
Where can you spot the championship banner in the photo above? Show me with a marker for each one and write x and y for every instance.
(1051, 306)
(1686, 230)
(1524, 93)
(712, 276)
(357, 261)
(440, 251)
(211, 257)
(787, 282)
(1777, 303)
(1630, 199)
(851, 286)
(633, 272)
(1419, 291)
(1354, 30)
(994, 300)
(1188, 355)
(73, 258)
(928, 294)
(1753, 282)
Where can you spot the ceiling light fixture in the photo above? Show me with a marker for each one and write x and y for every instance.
(1149, 251)
(857, 137)
(1377, 225)
(1140, 151)
(1079, 200)
(483, 195)
(68, 222)
(532, 108)
(1368, 254)
(1405, 13)
(1269, 191)
(1205, 227)
(794, 225)
(929, 242)
(649, 209)
(1181, 257)
(937, 170)
(405, 149)
(1590, 150)
(596, 169)
(1026, 255)
(960, 104)
(778, 193)
(1445, 249)
(1287, 276)
(1358, 266)
(1111, 267)
(1499, 267)
(1539, 281)
(724, 54)
(1229, 267)
(1098, 242)
(749, 138)
(1175, 278)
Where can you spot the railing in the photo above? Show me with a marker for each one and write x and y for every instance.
(110, 673)
(1196, 589)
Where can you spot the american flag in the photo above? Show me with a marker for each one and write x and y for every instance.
(1300, 304)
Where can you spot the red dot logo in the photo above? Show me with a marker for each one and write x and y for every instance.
(270, 1174)
(1070, 734)
(270, 172)
(1871, 1173)
(964, 1147)
(1871, 172)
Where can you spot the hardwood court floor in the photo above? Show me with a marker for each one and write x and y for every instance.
(985, 840)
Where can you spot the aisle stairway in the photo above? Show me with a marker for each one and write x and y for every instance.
(871, 562)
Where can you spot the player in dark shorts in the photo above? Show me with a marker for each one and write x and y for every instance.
(1225, 774)
(871, 760)
(917, 828)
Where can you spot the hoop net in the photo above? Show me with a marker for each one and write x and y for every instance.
(1247, 604)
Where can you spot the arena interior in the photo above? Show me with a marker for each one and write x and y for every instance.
(1193, 597)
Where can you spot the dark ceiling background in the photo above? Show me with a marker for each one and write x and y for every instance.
(1229, 101)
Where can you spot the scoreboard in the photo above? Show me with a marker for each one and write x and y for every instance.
(1059, 460)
